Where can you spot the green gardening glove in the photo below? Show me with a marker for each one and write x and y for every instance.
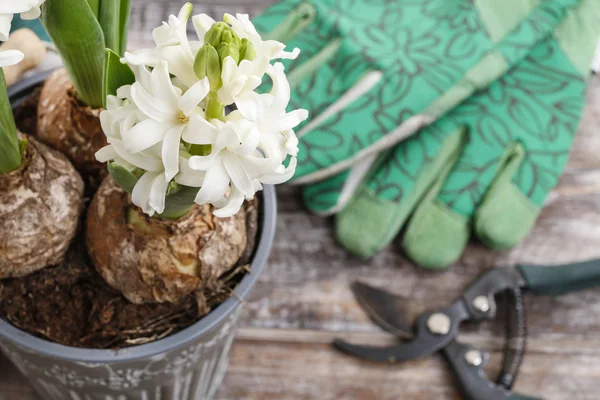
(487, 163)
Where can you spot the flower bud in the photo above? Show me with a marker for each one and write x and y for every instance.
(228, 50)
(219, 33)
(247, 51)
(207, 64)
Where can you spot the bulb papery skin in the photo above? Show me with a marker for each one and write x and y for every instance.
(150, 260)
(40, 204)
(171, 126)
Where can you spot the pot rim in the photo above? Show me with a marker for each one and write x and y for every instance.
(267, 221)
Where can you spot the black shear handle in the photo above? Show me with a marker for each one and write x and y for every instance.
(561, 279)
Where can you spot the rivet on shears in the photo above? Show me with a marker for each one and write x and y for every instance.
(439, 324)
(482, 304)
(474, 358)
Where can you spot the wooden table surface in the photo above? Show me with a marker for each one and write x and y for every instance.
(302, 301)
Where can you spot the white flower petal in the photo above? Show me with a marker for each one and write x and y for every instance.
(271, 48)
(34, 13)
(200, 131)
(188, 176)
(144, 135)
(170, 151)
(158, 194)
(124, 92)
(202, 23)
(281, 87)
(181, 64)
(250, 105)
(140, 160)
(154, 108)
(193, 96)
(165, 36)
(216, 184)
(232, 205)
(5, 23)
(141, 192)
(291, 120)
(227, 137)
(105, 154)
(141, 57)
(162, 88)
(237, 173)
(10, 57)
(286, 175)
(286, 55)
(229, 70)
(184, 13)
(203, 163)
(250, 142)
(124, 164)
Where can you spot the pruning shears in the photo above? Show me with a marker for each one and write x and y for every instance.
(437, 330)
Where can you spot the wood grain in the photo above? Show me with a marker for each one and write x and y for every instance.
(302, 301)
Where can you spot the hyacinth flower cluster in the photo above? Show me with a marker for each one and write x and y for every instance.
(194, 126)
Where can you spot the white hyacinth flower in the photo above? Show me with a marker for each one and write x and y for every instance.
(29, 9)
(233, 169)
(169, 113)
(169, 126)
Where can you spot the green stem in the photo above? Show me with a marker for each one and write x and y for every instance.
(11, 155)
(214, 109)
(78, 37)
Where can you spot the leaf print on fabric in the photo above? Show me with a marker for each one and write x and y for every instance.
(412, 52)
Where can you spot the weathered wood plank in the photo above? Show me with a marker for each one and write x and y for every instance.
(292, 370)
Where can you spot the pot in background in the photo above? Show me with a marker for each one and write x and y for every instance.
(188, 365)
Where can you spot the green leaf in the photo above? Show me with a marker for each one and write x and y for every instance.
(94, 6)
(116, 74)
(110, 21)
(179, 203)
(78, 36)
(123, 177)
(10, 146)
(124, 16)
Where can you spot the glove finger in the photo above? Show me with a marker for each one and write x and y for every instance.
(377, 212)
(521, 130)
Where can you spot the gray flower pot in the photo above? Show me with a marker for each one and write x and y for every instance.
(189, 365)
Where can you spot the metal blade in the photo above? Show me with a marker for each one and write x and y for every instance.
(385, 309)
(391, 354)
(433, 331)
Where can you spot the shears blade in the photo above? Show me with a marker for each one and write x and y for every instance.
(384, 308)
